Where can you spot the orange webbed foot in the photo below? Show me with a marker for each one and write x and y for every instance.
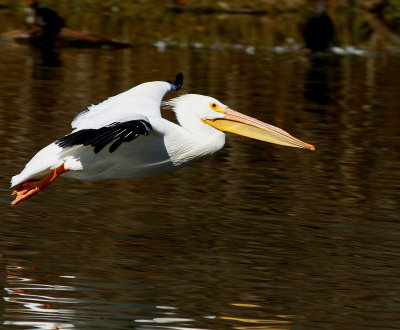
(26, 190)
(31, 187)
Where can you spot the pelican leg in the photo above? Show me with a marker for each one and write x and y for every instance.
(31, 187)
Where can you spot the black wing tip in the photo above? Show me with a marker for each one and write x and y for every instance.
(116, 132)
(177, 84)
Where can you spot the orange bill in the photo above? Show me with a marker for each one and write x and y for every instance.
(238, 123)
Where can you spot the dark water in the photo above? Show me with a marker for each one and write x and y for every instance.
(257, 237)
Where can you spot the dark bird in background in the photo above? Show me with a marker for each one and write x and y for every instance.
(45, 23)
(319, 30)
(45, 28)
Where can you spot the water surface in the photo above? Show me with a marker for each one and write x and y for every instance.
(256, 237)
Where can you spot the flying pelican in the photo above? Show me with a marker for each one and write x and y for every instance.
(126, 137)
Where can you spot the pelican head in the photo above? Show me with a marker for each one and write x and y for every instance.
(204, 114)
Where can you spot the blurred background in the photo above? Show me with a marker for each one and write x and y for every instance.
(365, 24)
(256, 237)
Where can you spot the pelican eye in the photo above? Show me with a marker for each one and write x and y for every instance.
(215, 107)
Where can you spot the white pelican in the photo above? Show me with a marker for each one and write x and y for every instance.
(126, 137)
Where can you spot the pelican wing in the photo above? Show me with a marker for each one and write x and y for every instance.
(144, 100)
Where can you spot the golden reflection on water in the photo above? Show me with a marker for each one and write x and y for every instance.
(278, 322)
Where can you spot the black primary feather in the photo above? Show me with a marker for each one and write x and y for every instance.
(177, 84)
(100, 137)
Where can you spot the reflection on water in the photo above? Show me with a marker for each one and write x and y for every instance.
(257, 237)
(46, 57)
(32, 305)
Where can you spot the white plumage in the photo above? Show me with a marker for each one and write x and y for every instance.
(126, 137)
